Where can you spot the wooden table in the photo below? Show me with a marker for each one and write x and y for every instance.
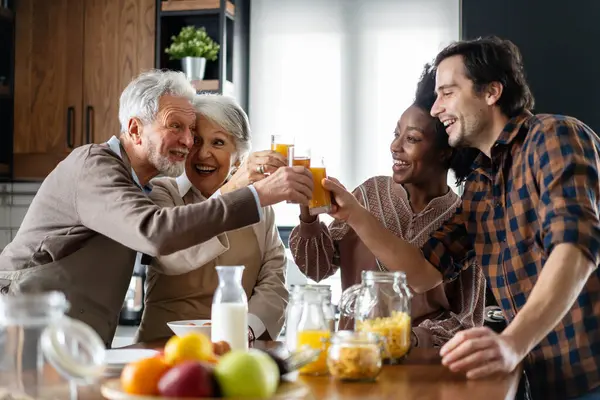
(420, 376)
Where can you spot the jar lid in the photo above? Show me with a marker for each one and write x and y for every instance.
(356, 337)
(383, 276)
(75, 350)
(325, 289)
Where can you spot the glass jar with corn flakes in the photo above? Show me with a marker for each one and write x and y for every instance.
(355, 356)
(380, 304)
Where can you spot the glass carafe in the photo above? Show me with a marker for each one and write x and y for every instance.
(229, 315)
(313, 331)
(381, 304)
(43, 353)
(295, 306)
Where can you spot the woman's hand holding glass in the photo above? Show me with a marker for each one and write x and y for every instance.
(345, 206)
(255, 168)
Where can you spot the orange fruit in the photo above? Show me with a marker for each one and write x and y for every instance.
(142, 376)
(214, 360)
(191, 347)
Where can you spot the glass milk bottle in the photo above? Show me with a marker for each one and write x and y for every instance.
(229, 315)
(44, 354)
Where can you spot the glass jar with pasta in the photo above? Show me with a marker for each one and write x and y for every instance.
(355, 356)
(380, 304)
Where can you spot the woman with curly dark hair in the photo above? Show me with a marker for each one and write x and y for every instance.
(412, 203)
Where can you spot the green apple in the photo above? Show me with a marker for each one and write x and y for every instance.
(249, 373)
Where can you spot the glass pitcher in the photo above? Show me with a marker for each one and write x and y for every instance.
(381, 304)
(43, 353)
(313, 331)
(229, 315)
(295, 306)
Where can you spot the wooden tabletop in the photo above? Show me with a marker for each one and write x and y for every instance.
(420, 376)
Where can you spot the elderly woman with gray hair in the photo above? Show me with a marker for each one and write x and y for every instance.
(180, 286)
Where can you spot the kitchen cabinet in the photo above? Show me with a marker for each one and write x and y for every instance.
(72, 60)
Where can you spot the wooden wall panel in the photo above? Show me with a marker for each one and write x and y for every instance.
(119, 45)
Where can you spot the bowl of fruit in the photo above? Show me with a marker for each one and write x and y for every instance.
(191, 366)
(182, 328)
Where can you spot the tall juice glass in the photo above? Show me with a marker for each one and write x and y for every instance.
(282, 143)
(299, 156)
(321, 198)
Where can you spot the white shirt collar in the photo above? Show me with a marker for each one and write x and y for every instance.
(115, 145)
(183, 184)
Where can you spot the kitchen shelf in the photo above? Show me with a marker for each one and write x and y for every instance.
(6, 13)
(212, 85)
(198, 7)
(4, 91)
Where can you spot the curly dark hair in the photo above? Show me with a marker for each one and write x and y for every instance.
(461, 159)
(492, 59)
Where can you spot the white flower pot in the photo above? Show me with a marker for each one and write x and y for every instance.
(193, 67)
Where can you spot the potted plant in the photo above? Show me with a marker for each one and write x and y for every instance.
(193, 47)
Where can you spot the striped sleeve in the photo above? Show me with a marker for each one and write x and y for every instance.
(313, 250)
(467, 306)
(313, 245)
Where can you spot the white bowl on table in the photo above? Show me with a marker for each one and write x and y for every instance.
(117, 359)
(181, 328)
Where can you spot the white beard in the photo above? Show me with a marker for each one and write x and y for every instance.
(163, 164)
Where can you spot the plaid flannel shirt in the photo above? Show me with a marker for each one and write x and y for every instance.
(540, 188)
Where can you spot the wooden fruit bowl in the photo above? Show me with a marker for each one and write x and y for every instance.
(112, 390)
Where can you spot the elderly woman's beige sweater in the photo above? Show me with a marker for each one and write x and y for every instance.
(180, 286)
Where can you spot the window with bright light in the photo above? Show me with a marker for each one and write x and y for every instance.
(337, 74)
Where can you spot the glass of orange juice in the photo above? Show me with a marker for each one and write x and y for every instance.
(282, 143)
(321, 198)
(299, 155)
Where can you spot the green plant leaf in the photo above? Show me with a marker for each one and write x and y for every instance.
(193, 42)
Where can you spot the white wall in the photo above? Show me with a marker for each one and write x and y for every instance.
(339, 73)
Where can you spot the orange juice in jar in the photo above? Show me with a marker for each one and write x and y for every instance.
(318, 339)
(282, 144)
(312, 331)
(321, 198)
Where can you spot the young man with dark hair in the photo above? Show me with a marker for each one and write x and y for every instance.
(530, 216)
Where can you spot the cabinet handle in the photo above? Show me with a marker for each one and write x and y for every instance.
(70, 123)
(89, 115)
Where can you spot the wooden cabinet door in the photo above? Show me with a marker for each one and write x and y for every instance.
(119, 44)
(48, 84)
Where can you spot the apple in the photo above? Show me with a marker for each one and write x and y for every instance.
(251, 373)
(188, 379)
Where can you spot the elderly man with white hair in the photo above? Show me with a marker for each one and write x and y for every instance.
(180, 286)
(92, 214)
